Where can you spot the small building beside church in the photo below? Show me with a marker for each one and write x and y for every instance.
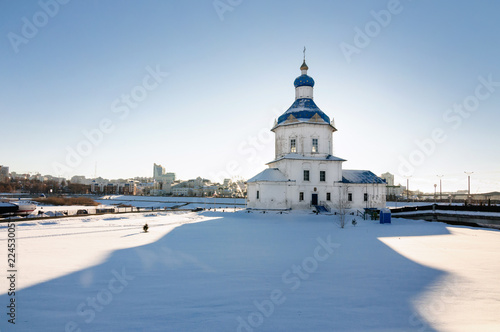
(304, 173)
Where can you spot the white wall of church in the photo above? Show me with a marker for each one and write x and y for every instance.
(294, 170)
(304, 134)
(271, 195)
(279, 195)
(375, 197)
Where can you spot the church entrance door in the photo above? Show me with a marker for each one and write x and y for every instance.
(314, 199)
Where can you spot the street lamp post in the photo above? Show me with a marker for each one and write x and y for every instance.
(408, 188)
(468, 184)
(440, 187)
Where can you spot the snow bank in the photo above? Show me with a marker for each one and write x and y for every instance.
(255, 272)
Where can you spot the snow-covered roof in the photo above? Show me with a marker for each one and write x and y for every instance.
(360, 176)
(301, 157)
(269, 175)
(303, 109)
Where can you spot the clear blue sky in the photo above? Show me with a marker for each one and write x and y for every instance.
(229, 78)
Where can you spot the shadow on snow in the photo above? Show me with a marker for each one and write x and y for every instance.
(214, 275)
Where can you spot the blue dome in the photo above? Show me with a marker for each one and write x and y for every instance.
(303, 109)
(303, 80)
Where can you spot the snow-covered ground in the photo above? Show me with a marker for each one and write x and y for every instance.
(140, 202)
(466, 213)
(159, 202)
(243, 271)
(392, 204)
(175, 199)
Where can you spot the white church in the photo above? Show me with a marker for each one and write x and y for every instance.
(305, 174)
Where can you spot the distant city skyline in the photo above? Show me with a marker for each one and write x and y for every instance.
(110, 88)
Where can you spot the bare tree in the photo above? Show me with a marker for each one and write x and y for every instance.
(342, 205)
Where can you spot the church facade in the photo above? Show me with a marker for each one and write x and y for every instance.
(304, 173)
